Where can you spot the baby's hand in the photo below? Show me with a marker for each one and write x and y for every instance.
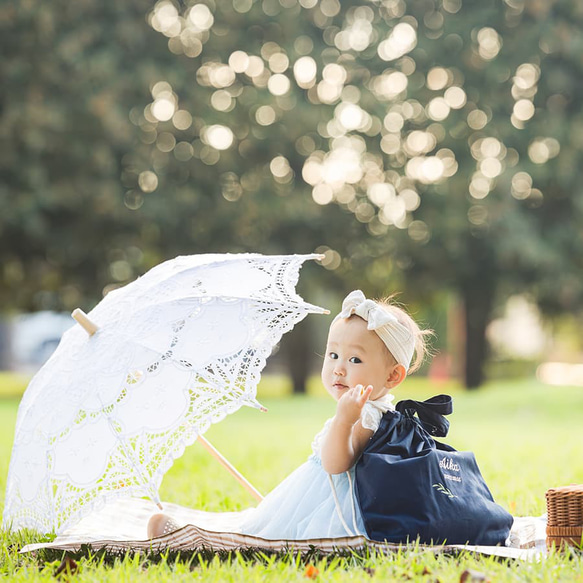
(351, 403)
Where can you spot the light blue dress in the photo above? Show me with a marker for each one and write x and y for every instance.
(310, 503)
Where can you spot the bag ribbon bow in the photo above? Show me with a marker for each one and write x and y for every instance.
(430, 413)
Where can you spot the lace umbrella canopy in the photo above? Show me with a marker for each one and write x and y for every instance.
(176, 350)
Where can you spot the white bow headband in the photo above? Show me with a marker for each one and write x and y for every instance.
(397, 338)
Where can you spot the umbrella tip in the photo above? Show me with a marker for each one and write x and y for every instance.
(159, 506)
(256, 405)
(81, 318)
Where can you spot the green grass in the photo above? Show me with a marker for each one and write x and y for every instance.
(526, 437)
(12, 384)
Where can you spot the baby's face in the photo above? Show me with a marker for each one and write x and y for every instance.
(355, 356)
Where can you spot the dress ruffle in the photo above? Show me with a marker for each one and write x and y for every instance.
(303, 505)
(373, 411)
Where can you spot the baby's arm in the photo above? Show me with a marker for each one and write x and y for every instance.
(346, 437)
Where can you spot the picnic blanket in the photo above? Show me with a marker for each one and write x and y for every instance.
(121, 526)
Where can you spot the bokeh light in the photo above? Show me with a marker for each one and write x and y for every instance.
(165, 18)
(163, 109)
(278, 84)
(438, 78)
(182, 120)
(541, 150)
(477, 119)
(438, 109)
(455, 97)
(381, 133)
(489, 43)
(281, 170)
(305, 70)
(351, 116)
(218, 136)
(401, 40)
(523, 109)
(239, 61)
(521, 185)
(419, 142)
(201, 17)
(255, 66)
(222, 101)
(389, 85)
(419, 232)
(265, 115)
(331, 260)
(148, 181)
(278, 62)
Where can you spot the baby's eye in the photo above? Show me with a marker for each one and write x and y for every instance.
(355, 360)
(333, 355)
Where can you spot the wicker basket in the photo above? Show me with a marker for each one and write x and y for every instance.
(565, 516)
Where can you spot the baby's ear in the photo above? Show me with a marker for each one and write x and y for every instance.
(396, 376)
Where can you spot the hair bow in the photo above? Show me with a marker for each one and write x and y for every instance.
(356, 303)
(398, 339)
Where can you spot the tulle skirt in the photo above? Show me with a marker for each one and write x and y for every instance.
(303, 507)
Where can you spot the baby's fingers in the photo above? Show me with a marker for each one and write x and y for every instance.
(364, 394)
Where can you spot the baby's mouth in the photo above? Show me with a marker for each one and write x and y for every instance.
(339, 386)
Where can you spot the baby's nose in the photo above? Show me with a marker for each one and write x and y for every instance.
(339, 369)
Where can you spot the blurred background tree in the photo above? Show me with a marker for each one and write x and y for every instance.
(430, 146)
(70, 73)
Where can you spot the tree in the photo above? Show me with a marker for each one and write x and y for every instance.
(75, 222)
(69, 76)
(416, 118)
(506, 222)
(421, 112)
(448, 130)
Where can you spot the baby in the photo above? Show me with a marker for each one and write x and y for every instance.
(369, 352)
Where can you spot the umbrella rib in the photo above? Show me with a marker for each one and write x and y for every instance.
(129, 457)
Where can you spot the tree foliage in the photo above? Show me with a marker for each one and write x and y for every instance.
(437, 124)
(431, 145)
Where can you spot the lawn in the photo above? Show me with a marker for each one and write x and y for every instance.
(526, 437)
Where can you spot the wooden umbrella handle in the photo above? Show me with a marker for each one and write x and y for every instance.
(230, 468)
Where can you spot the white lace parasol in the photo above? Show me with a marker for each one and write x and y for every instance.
(175, 350)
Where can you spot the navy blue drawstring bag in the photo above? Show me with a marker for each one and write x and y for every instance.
(411, 487)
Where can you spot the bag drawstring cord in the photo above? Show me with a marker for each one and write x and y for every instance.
(337, 504)
(352, 502)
